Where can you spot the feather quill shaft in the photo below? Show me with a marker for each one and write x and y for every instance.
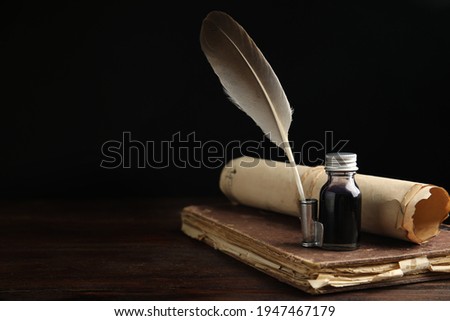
(248, 80)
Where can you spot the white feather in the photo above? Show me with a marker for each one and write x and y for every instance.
(248, 79)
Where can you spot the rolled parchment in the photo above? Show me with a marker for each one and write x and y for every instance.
(395, 208)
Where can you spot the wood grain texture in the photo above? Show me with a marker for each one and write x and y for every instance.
(133, 249)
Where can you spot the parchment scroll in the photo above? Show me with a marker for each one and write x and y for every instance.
(395, 208)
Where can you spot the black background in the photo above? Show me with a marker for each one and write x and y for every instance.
(77, 74)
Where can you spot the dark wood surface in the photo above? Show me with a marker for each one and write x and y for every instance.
(133, 249)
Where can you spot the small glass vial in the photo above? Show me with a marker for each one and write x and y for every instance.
(340, 203)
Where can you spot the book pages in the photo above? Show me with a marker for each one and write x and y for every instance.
(395, 208)
(270, 243)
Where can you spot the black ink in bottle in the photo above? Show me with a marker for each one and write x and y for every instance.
(340, 203)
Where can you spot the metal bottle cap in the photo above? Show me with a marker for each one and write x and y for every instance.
(342, 162)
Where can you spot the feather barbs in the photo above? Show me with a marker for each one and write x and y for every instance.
(248, 80)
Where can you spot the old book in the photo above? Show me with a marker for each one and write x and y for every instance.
(270, 243)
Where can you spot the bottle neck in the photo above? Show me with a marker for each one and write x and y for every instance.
(338, 177)
(349, 174)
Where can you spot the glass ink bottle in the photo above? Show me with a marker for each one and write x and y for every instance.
(340, 203)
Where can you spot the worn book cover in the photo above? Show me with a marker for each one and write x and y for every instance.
(270, 242)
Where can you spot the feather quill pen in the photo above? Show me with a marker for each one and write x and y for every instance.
(249, 80)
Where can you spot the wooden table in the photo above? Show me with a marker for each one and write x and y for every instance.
(133, 249)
